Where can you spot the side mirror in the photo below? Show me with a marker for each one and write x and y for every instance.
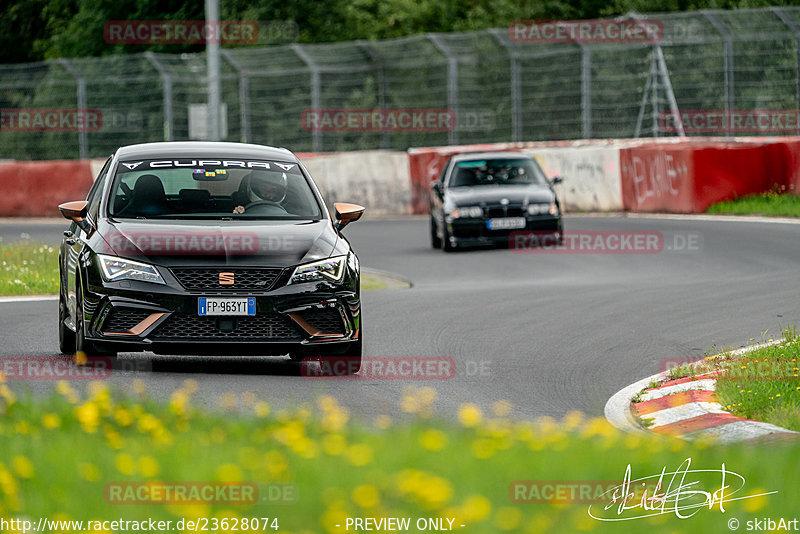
(436, 186)
(557, 180)
(76, 211)
(347, 213)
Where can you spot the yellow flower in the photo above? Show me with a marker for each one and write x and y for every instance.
(88, 415)
(469, 415)
(359, 454)
(88, 472)
(333, 444)
(433, 440)
(754, 504)
(508, 518)
(261, 409)
(22, 466)
(476, 508)
(501, 408)
(384, 421)
(123, 417)
(125, 464)
(148, 466)
(51, 420)
(366, 496)
(229, 473)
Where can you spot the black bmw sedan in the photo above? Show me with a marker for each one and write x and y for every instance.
(208, 248)
(483, 198)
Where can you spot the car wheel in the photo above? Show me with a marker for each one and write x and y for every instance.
(81, 343)
(66, 337)
(347, 363)
(436, 241)
(446, 245)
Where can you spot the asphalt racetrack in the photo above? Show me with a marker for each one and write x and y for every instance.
(548, 332)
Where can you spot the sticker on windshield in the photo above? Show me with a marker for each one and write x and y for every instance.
(204, 166)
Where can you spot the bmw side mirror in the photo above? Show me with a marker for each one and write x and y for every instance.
(347, 213)
(557, 180)
(76, 211)
(436, 187)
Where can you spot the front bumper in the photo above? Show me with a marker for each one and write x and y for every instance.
(138, 316)
(473, 231)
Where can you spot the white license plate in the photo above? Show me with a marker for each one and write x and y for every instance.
(241, 306)
(506, 223)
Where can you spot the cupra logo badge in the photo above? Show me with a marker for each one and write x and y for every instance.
(226, 279)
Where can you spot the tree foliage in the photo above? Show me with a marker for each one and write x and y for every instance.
(32, 30)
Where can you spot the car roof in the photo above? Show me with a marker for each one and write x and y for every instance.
(207, 149)
(490, 155)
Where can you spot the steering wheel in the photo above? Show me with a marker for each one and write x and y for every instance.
(274, 207)
(127, 198)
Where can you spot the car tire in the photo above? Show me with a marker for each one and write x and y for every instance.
(66, 337)
(436, 241)
(349, 360)
(81, 343)
(446, 245)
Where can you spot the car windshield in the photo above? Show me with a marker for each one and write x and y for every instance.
(496, 171)
(211, 188)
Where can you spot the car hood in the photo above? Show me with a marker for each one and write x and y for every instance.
(494, 194)
(242, 243)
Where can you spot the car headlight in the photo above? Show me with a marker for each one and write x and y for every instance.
(467, 211)
(113, 269)
(541, 209)
(328, 269)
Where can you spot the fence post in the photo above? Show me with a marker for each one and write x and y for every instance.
(586, 89)
(452, 83)
(316, 136)
(83, 140)
(516, 90)
(728, 38)
(166, 82)
(244, 90)
(382, 83)
(795, 28)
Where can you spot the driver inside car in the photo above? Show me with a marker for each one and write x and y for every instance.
(263, 191)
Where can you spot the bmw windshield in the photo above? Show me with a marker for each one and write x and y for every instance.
(497, 171)
(211, 189)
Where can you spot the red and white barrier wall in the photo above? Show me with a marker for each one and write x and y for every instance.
(653, 175)
(36, 188)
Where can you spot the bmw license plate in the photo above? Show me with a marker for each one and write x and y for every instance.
(226, 306)
(506, 223)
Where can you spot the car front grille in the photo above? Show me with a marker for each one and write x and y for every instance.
(504, 211)
(123, 319)
(328, 321)
(255, 279)
(185, 326)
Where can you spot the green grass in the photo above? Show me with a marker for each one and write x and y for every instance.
(763, 384)
(772, 204)
(32, 269)
(60, 453)
(369, 282)
(28, 269)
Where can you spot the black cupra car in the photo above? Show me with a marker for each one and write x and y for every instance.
(208, 248)
(484, 198)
